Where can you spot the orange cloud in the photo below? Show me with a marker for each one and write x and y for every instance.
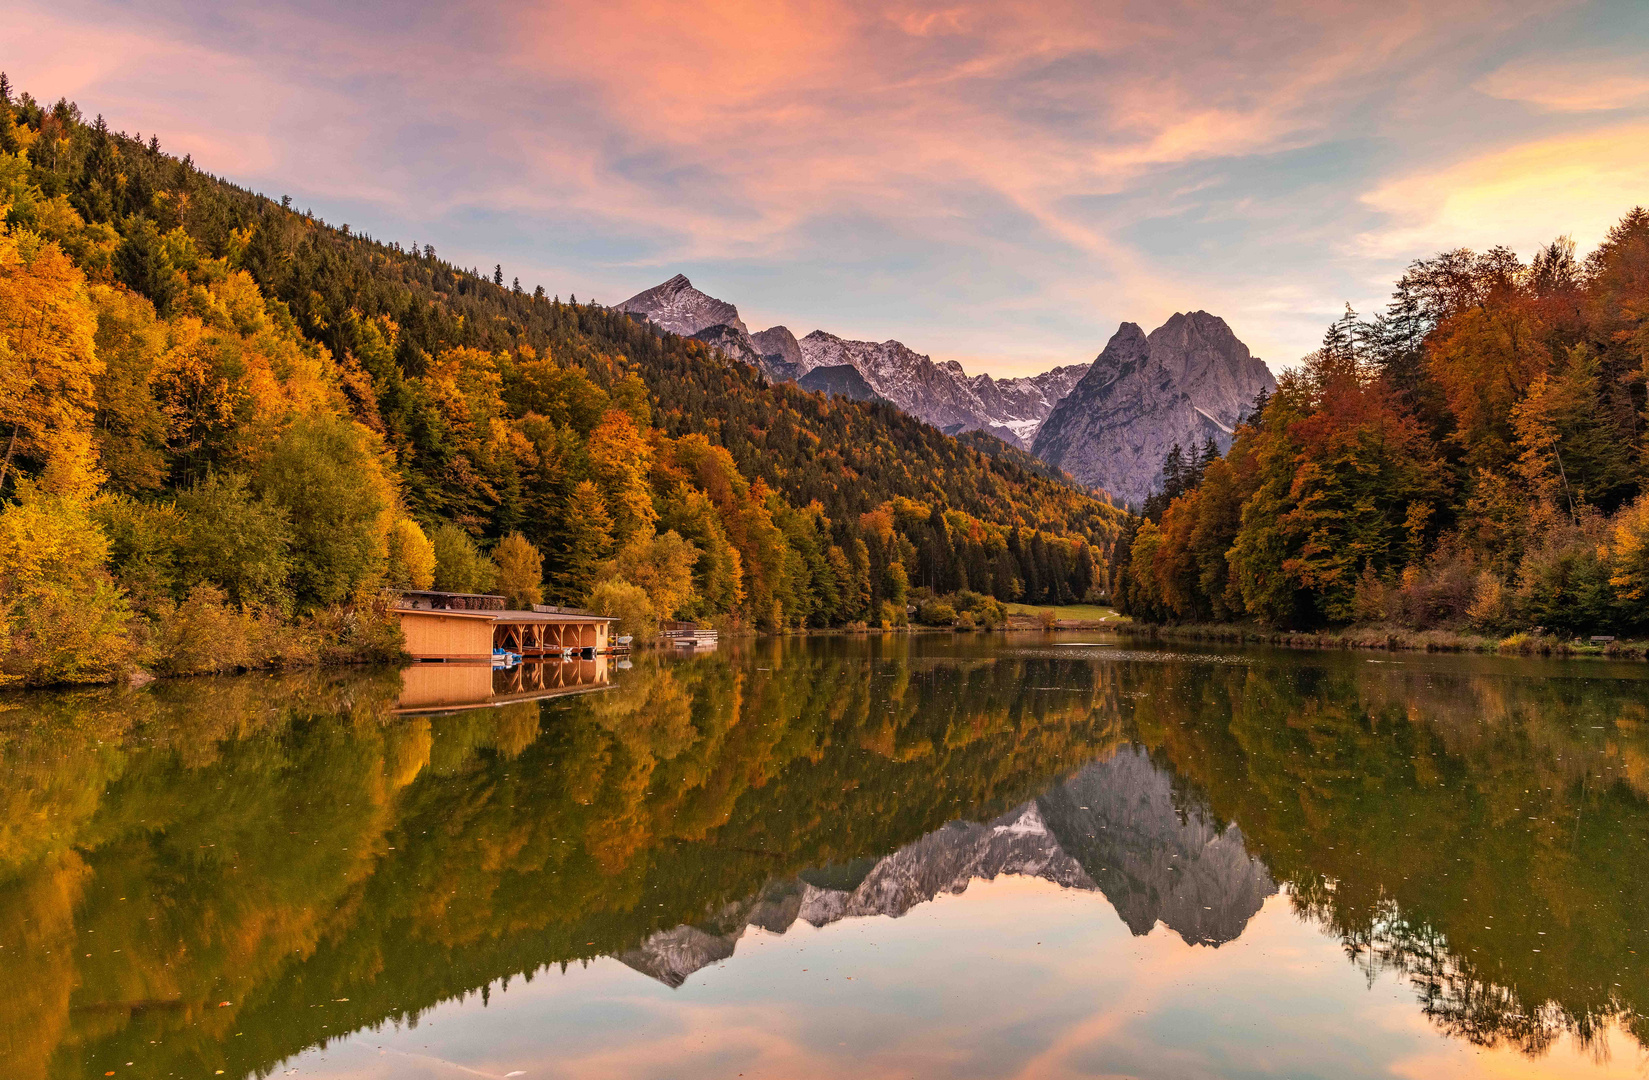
(1571, 84)
(1516, 196)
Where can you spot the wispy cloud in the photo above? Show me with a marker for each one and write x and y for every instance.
(997, 181)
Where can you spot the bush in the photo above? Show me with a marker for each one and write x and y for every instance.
(1047, 619)
(935, 613)
(628, 604)
(62, 619)
(1563, 580)
(365, 632)
(202, 635)
(206, 634)
(1491, 606)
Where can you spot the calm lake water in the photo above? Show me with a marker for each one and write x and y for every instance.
(912, 856)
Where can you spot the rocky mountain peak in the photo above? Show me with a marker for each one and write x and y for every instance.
(1188, 381)
(677, 307)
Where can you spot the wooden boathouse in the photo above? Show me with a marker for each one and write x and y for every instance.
(467, 627)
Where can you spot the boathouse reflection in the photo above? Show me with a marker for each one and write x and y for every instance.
(432, 688)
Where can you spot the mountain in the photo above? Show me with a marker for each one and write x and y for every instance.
(841, 380)
(1022, 404)
(679, 308)
(942, 394)
(1115, 828)
(937, 393)
(1189, 381)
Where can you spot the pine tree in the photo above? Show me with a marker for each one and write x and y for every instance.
(589, 542)
(498, 274)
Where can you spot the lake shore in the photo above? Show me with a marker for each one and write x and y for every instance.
(1387, 638)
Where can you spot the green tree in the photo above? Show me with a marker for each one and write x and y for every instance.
(460, 564)
(324, 473)
(520, 572)
(234, 540)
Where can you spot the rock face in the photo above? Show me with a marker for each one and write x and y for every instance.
(1115, 827)
(841, 380)
(781, 354)
(681, 309)
(1118, 819)
(1189, 381)
(941, 394)
(1021, 405)
(938, 393)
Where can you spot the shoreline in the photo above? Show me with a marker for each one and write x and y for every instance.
(1382, 638)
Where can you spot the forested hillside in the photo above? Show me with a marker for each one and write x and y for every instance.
(224, 419)
(1474, 457)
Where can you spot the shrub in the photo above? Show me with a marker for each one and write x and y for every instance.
(1047, 619)
(203, 635)
(62, 619)
(965, 621)
(935, 613)
(1563, 580)
(1491, 606)
(366, 631)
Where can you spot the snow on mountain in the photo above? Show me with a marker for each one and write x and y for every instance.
(1117, 827)
(942, 394)
(681, 309)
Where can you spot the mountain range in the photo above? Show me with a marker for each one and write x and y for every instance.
(1108, 423)
(1115, 828)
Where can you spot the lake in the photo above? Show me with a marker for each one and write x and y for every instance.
(922, 855)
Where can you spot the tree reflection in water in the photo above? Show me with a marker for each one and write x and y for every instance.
(290, 846)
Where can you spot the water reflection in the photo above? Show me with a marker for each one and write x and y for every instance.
(219, 874)
(428, 688)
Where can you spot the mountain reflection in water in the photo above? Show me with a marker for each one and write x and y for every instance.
(223, 873)
(1113, 827)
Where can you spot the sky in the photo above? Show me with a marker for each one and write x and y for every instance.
(999, 184)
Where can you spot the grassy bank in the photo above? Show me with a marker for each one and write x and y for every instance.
(1390, 639)
(1068, 616)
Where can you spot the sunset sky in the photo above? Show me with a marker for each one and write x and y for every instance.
(995, 183)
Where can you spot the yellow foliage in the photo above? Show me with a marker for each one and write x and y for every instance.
(662, 566)
(411, 556)
(48, 362)
(520, 572)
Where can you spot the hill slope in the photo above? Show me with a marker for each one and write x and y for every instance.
(219, 348)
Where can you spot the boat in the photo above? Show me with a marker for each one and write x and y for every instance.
(503, 658)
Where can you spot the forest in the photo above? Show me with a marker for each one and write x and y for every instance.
(1473, 458)
(231, 432)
